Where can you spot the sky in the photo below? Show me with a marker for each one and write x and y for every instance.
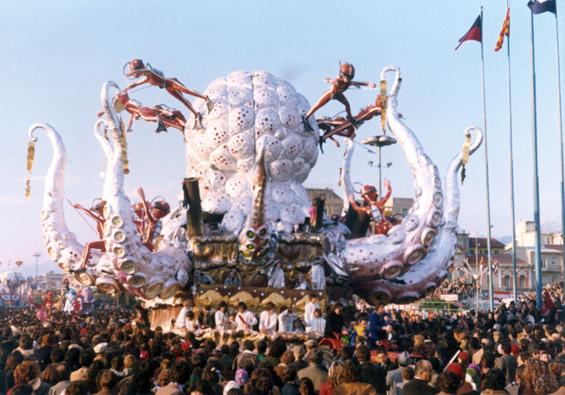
(55, 56)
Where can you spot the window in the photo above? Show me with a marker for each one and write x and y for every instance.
(522, 281)
(405, 212)
(506, 283)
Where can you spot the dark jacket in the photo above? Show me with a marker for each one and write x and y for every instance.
(290, 389)
(374, 375)
(508, 365)
(43, 356)
(418, 387)
(334, 324)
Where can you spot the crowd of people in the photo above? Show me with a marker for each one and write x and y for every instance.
(514, 350)
(464, 289)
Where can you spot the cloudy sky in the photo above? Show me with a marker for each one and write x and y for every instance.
(54, 57)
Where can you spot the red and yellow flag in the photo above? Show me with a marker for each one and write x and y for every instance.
(505, 31)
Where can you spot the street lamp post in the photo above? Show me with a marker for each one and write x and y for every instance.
(380, 167)
(379, 142)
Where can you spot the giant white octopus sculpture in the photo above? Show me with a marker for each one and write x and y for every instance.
(255, 131)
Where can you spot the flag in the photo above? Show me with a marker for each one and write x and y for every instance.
(474, 33)
(540, 6)
(505, 31)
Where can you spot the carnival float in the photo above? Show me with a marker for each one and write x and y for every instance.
(245, 229)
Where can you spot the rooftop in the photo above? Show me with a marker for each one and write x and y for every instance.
(482, 243)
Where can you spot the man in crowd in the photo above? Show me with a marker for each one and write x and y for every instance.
(420, 384)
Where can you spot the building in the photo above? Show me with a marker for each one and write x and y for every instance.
(474, 251)
(551, 252)
(526, 233)
(398, 205)
(334, 203)
(52, 280)
(479, 245)
(502, 271)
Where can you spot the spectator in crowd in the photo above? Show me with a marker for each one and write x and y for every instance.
(494, 383)
(394, 376)
(314, 371)
(369, 372)
(114, 351)
(420, 384)
(448, 383)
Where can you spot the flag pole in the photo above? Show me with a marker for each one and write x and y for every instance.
(560, 115)
(511, 147)
(489, 252)
(537, 256)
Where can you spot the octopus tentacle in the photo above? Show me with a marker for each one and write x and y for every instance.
(123, 243)
(346, 173)
(62, 245)
(427, 274)
(381, 256)
(100, 134)
(146, 274)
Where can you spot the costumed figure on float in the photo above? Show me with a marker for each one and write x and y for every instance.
(136, 69)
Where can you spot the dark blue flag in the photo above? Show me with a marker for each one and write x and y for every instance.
(540, 6)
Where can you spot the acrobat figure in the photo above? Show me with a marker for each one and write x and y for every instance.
(163, 115)
(150, 226)
(341, 126)
(339, 85)
(375, 207)
(96, 213)
(136, 68)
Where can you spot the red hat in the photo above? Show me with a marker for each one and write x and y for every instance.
(456, 369)
(464, 356)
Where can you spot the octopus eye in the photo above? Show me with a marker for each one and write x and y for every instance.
(262, 232)
(250, 247)
(250, 234)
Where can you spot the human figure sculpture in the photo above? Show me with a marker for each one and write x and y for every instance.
(150, 226)
(339, 85)
(375, 207)
(96, 213)
(136, 69)
(341, 126)
(163, 115)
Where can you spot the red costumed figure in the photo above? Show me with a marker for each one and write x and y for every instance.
(96, 213)
(149, 225)
(136, 69)
(375, 207)
(341, 126)
(161, 114)
(339, 85)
